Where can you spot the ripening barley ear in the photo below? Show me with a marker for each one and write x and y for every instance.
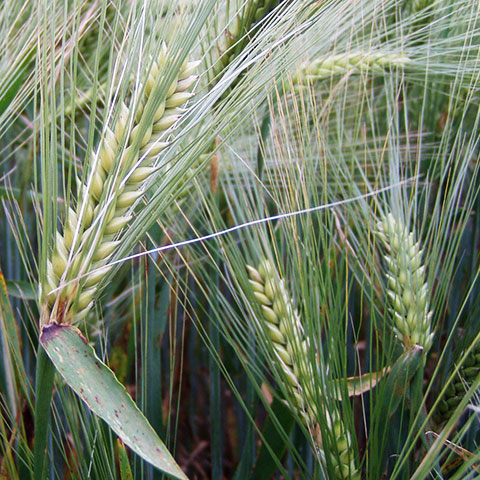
(121, 167)
(283, 328)
(351, 62)
(457, 388)
(407, 290)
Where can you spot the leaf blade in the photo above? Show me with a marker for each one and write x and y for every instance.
(20, 289)
(98, 387)
(275, 442)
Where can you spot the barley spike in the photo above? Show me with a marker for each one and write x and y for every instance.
(121, 167)
(283, 327)
(458, 386)
(407, 289)
(352, 62)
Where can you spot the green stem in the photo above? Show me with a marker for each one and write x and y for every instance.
(45, 374)
(214, 372)
(154, 328)
(247, 457)
(416, 416)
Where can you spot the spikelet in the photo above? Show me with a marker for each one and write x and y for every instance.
(459, 385)
(352, 62)
(407, 290)
(122, 165)
(283, 327)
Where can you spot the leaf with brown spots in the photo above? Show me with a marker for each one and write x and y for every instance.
(98, 387)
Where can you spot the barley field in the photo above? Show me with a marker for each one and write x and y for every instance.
(239, 239)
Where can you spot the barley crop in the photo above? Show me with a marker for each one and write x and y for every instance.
(333, 146)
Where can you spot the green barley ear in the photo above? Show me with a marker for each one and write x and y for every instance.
(344, 463)
(122, 165)
(459, 385)
(408, 292)
(283, 327)
(352, 62)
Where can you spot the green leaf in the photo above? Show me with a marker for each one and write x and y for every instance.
(399, 378)
(124, 464)
(20, 289)
(8, 92)
(44, 380)
(12, 359)
(275, 440)
(98, 387)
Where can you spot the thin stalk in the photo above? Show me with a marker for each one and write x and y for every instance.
(152, 377)
(248, 452)
(214, 371)
(45, 374)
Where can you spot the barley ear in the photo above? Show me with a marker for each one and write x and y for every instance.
(351, 62)
(122, 165)
(283, 328)
(458, 386)
(407, 290)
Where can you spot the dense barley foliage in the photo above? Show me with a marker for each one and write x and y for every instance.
(239, 239)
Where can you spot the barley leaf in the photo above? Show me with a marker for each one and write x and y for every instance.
(278, 426)
(10, 335)
(20, 289)
(399, 378)
(124, 464)
(8, 91)
(98, 387)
